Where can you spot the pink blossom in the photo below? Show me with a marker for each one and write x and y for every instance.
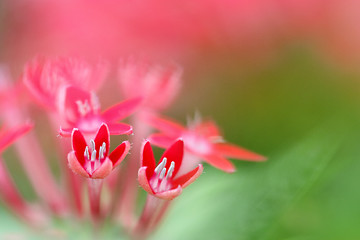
(158, 85)
(202, 140)
(162, 180)
(45, 78)
(81, 109)
(93, 160)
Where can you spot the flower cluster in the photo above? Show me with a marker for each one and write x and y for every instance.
(65, 90)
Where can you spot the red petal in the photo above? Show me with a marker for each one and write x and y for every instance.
(208, 129)
(78, 144)
(120, 128)
(65, 132)
(121, 110)
(119, 153)
(102, 136)
(104, 170)
(9, 136)
(167, 126)
(161, 140)
(143, 180)
(174, 153)
(170, 194)
(147, 159)
(233, 151)
(220, 162)
(189, 177)
(75, 166)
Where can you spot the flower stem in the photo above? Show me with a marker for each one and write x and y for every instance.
(95, 186)
(73, 182)
(35, 165)
(129, 192)
(12, 199)
(153, 212)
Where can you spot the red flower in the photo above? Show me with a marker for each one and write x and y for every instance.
(45, 78)
(158, 85)
(93, 161)
(7, 137)
(202, 140)
(162, 180)
(81, 109)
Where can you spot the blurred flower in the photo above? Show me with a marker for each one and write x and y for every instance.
(202, 139)
(162, 181)
(81, 109)
(157, 85)
(94, 160)
(46, 78)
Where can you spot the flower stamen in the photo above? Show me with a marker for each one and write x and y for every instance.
(83, 107)
(92, 161)
(92, 142)
(161, 177)
(86, 152)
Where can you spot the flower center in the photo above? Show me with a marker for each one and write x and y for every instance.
(89, 123)
(160, 180)
(84, 107)
(196, 143)
(93, 162)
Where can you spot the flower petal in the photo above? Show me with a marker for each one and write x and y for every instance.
(143, 180)
(34, 73)
(167, 126)
(170, 194)
(161, 140)
(120, 128)
(220, 162)
(78, 144)
(208, 129)
(119, 153)
(186, 179)
(75, 103)
(104, 170)
(9, 136)
(233, 151)
(65, 132)
(147, 159)
(75, 166)
(121, 110)
(102, 136)
(174, 153)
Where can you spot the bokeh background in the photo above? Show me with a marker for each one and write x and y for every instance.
(281, 77)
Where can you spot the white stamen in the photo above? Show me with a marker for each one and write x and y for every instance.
(104, 147)
(162, 174)
(102, 150)
(93, 156)
(171, 170)
(83, 107)
(92, 142)
(86, 153)
(161, 165)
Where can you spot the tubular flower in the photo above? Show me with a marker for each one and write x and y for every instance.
(162, 180)
(93, 161)
(81, 109)
(157, 84)
(202, 140)
(45, 78)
